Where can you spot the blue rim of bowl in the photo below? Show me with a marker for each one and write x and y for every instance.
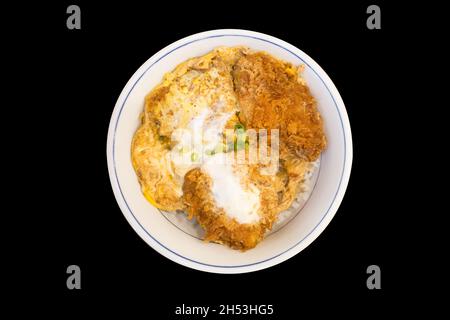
(156, 240)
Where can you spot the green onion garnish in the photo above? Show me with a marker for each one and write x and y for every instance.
(239, 127)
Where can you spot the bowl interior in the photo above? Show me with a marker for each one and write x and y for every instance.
(166, 237)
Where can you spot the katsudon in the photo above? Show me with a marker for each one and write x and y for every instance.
(228, 138)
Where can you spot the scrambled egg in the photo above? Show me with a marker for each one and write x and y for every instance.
(182, 153)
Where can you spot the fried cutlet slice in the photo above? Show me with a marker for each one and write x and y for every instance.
(219, 227)
(271, 96)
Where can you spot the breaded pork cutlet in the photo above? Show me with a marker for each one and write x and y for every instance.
(219, 226)
(273, 96)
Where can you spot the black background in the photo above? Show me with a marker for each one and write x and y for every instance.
(77, 77)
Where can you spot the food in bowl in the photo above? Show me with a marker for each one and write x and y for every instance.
(228, 138)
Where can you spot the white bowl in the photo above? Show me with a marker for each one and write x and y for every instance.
(166, 237)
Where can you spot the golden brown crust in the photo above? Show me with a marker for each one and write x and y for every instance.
(272, 97)
(218, 226)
